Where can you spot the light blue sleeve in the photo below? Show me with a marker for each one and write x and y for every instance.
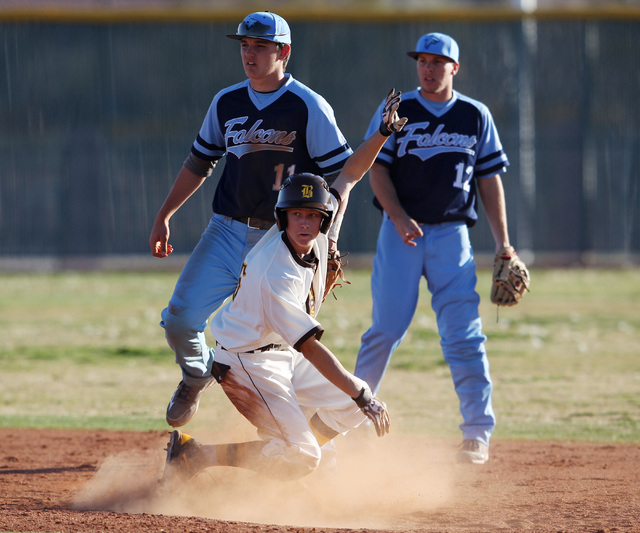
(210, 141)
(326, 143)
(491, 156)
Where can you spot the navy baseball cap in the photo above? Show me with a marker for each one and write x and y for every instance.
(264, 25)
(436, 43)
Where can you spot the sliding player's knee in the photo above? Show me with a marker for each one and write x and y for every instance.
(291, 461)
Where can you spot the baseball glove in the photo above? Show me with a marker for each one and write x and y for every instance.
(510, 278)
(334, 273)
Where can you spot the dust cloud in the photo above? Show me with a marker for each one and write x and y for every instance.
(373, 483)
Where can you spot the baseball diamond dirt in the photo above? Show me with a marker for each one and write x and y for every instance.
(82, 480)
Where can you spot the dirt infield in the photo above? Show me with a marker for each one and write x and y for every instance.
(80, 481)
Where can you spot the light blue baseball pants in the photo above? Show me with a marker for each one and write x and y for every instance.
(444, 256)
(208, 278)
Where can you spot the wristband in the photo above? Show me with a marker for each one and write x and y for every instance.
(364, 398)
(384, 129)
(337, 195)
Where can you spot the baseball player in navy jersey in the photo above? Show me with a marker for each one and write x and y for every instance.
(269, 358)
(269, 126)
(427, 180)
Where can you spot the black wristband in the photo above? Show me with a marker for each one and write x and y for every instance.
(384, 129)
(364, 397)
(337, 195)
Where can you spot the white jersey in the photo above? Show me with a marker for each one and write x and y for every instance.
(277, 299)
(259, 334)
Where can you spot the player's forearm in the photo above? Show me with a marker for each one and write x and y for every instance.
(330, 367)
(358, 164)
(362, 159)
(185, 185)
(493, 201)
(385, 191)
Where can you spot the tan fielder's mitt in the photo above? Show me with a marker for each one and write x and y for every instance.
(334, 273)
(510, 278)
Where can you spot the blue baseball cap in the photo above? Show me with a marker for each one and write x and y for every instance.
(264, 25)
(436, 43)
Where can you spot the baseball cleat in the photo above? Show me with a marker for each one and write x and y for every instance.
(473, 451)
(185, 456)
(184, 403)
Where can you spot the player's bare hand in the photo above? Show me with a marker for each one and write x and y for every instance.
(408, 229)
(159, 240)
(160, 250)
(391, 122)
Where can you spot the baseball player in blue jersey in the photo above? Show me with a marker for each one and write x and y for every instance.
(427, 180)
(269, 359)
(269, 127)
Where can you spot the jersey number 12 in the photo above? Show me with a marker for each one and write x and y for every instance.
(463, 177)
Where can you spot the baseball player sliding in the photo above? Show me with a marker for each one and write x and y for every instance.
(269, 359)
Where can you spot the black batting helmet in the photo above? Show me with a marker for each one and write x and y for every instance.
(304, 191)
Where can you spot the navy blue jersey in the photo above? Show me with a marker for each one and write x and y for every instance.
(266, 138)
(435, 160)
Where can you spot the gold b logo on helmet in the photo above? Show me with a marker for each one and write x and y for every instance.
(307, 191)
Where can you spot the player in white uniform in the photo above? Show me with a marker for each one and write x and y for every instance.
(269, 358)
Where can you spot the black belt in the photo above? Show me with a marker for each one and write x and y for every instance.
(266, 348)
(439, 223)
(255, 223)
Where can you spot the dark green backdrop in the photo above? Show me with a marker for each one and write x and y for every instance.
(98, 117)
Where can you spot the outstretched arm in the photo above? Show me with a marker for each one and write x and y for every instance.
(357, 165)
(362, 159)
(330, 367)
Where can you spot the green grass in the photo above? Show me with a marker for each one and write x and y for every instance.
(86, 350)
